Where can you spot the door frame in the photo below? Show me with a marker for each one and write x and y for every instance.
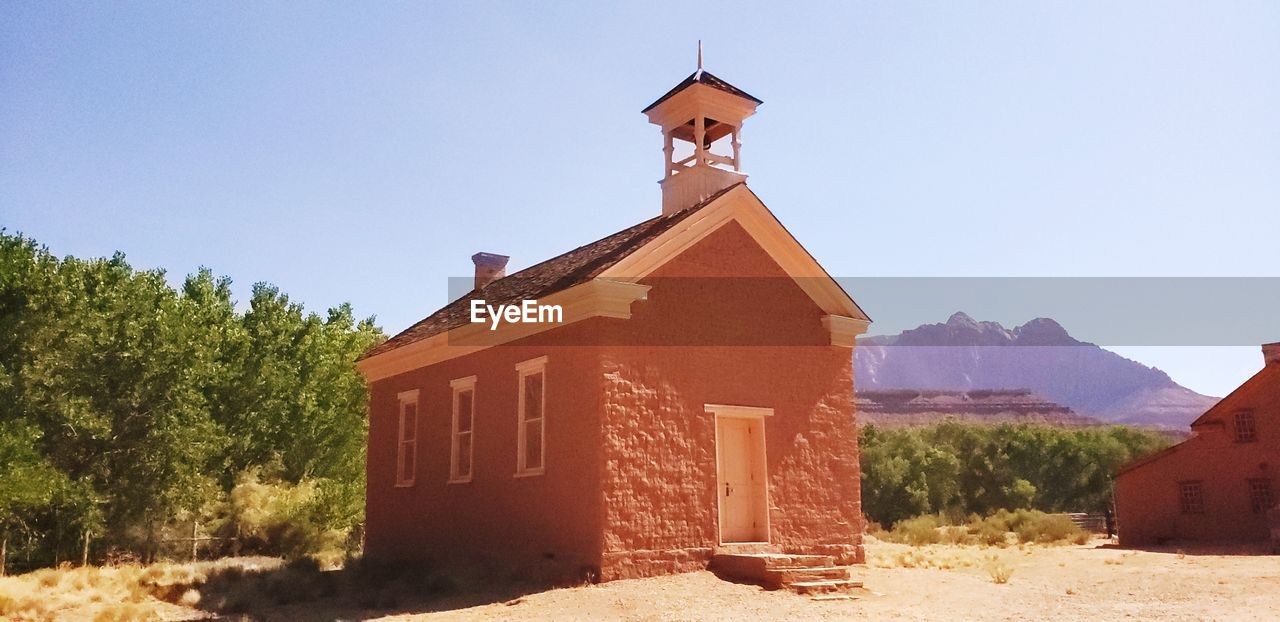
(725, 411)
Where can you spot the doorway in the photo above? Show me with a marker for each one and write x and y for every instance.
(741, 474)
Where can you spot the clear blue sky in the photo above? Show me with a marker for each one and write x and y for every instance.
(362, 152)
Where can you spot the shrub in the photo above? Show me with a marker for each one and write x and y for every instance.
(1036, 526)
(1029, 526)
(917, 531)
(998, 570)
(988, 531)
(271, 517)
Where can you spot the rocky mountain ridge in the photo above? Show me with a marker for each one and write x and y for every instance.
(1040, 356)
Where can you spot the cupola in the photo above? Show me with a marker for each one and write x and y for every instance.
(701, 120)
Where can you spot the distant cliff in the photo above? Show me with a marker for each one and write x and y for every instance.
(1040, 356)
(917, 407)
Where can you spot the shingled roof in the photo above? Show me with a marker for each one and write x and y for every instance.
(702, 77)
(539, 281)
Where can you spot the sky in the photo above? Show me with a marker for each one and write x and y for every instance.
(361, 152)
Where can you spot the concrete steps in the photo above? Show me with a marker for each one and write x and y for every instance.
(782, 577)
(824, 588)
(813, 575)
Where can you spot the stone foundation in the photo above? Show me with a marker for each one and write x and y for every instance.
(639, 564)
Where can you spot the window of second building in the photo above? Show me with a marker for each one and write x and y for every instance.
(462, 445)
(1260, 499)
(1246, 430)
(1191, 497)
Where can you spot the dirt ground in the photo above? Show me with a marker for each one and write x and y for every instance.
(1090, 582)
(939, 582)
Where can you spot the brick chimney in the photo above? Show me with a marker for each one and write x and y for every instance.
(1271, 353)
(489, 268)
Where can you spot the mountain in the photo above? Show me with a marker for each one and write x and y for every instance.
(1040, 356)
(899, 407)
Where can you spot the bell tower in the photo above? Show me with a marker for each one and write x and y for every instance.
(698, 117)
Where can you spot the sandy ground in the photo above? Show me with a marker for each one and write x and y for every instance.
(953, 583)
(1091, 582)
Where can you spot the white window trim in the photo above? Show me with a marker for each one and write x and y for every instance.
(459, 386)
(402, 399)
(526, 369)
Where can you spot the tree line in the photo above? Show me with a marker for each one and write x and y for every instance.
(958, 470)
(131, 411)
(134, 415)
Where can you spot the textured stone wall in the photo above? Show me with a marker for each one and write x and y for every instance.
(815, 491)
(658, 442)
(659, 460)
(659, 477)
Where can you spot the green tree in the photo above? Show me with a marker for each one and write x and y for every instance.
(960, 469)
(136, 405)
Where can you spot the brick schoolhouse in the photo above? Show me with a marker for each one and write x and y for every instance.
(1218, 485)
(695, 398)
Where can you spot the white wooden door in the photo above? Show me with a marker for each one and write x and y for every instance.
(743, 496)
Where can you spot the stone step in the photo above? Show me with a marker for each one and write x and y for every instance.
(837, 586)
(753, 566)
(799, 561)
(781, 577)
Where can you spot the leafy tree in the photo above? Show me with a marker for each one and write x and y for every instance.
(961, 469)
(28, 483)
(127, 405)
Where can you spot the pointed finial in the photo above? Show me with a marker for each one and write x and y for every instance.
(699, 54)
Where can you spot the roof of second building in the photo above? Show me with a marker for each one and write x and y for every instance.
(1268, 374)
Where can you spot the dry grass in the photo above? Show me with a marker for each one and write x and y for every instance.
(124, 592)
(252, 588)
(1002, 528)
(940, 556)
(998, 570)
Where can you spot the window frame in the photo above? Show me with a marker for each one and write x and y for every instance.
(1261, 484)
(1191, 506)
(460, 386)
(406, 477)
(525, 369)
(1245, 420)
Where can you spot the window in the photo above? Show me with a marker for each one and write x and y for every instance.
(1191, 497)
(1246, 432)
(407, 439)
(531, 445)
(1260, 499)
(462, 448)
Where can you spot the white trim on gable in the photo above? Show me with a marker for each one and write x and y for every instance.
(743, 206)
(612, 292)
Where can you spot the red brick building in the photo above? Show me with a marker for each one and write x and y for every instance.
(1218, 485)
(696, 395)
